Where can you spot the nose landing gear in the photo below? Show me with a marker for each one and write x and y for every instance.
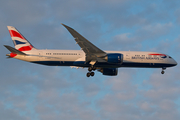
(91, 73)
(162, 72)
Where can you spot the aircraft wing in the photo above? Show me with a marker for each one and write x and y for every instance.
(92, 52)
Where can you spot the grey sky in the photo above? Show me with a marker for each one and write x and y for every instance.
(34, 92)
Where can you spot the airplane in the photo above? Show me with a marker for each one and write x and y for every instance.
(90, 56)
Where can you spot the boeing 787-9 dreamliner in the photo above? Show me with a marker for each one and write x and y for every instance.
(90, 56)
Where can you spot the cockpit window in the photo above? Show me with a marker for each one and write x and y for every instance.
(170, 57)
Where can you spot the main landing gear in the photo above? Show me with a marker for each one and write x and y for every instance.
(91, 73)
(162, 72)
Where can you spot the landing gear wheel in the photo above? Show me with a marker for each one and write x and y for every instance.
(93, 68)
(162, 72)
(90, 69)
(88, 74)
(92, 73)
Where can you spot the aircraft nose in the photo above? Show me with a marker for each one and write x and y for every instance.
(174, 62)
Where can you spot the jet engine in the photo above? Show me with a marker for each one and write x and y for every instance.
(109, 71)
(115, 58)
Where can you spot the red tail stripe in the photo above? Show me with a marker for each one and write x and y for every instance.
(16, 34)
(25, 48)
(158, 54)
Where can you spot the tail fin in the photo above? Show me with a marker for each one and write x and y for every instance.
(20, 42)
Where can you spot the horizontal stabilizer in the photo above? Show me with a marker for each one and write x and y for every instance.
(13, 50)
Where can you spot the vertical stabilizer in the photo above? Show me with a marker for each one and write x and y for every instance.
(20, 42)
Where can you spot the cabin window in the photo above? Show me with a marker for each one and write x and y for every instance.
(62, 54)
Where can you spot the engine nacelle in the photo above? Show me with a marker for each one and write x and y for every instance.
(109, 71)
(115, 58)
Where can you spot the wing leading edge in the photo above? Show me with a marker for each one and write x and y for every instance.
(93, 53)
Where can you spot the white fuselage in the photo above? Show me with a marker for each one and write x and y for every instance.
(77, 58)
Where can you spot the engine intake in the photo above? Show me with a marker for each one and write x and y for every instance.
(115, 58)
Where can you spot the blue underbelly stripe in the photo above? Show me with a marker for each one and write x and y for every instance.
(83, 64)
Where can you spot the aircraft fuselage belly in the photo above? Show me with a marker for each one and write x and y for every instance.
(77, 58)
